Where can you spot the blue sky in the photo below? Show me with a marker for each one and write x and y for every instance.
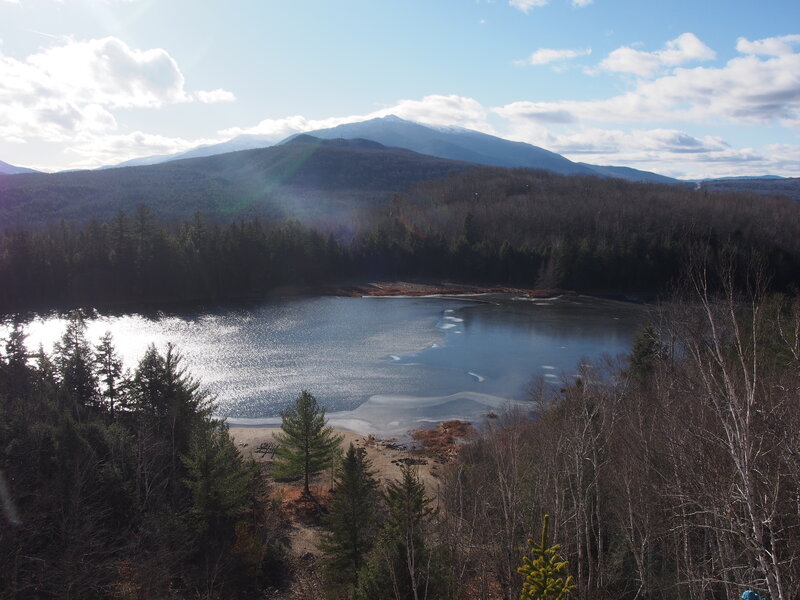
(689, 89)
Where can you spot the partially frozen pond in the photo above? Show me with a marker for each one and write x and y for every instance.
(377, 364)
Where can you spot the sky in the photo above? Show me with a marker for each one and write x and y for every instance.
(689, 89)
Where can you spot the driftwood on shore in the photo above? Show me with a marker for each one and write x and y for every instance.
(267, 448)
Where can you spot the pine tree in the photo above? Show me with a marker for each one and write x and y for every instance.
(307, 446)
(646, 350)
(109, 369)
(15, 374)
(350, 527)
(409, 512)
(545, 574)
(73, 358)
(403, 565)
(219, 482)
(16, 354)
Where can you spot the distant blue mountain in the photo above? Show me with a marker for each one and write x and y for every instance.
(241, 142)
(318, 182)
(742, 178)
(768, 185)
(457, 143)
(454, 143)
(7, 169)
(631, 174)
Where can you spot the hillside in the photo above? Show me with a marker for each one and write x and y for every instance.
(763, 186)
(315, 181)
(241, 142)
(7, 169)
(630, 174)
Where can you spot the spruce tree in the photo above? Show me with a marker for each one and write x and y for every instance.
(403, 564)
(16, 354)
(409, 513)
(350, 526)
(545, 573)
(307, 446)
(644, 353)
(15, 374)
(74, 360)
(109, 369)
(219, 482)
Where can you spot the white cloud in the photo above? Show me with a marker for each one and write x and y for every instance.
(666, 151)
(545, 56)
(450, 110)
(685, 48)
(214, 96)
(92, 151)
(107, 71)
(613, 142)
(526, 5)
(747, 89)
(278, 129)
(774, 46)
(71, 87)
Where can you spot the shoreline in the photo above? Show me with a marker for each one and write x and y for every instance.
(406, 289)
(371, 289)
(386, 454)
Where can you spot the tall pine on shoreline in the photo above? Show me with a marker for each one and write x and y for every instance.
(307, 445)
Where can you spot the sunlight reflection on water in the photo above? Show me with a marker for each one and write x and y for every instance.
(351, 351)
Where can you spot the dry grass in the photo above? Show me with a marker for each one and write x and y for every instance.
(443, 441)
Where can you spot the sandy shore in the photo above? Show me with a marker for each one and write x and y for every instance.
(386, 455)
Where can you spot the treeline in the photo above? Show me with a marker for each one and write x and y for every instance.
(674, 474)
(583, 233)
(123, 485)
(493, 226)
(136, 259)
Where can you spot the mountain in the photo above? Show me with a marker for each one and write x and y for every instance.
(465, 144)
(740, 178)
(769, 185)
(453, 143)
(630, 174)
(7, 169)
(241, 142)
(321, 182)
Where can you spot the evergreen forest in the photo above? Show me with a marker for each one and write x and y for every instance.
(509, 227)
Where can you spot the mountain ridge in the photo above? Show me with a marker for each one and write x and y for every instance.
(455, 144)
(451, 142)
(8, 169)
(316, 181)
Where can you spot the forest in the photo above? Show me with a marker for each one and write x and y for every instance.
(122, 485)
(671, 473)
(510, 227)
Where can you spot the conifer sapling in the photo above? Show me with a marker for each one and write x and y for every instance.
(545, 573)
